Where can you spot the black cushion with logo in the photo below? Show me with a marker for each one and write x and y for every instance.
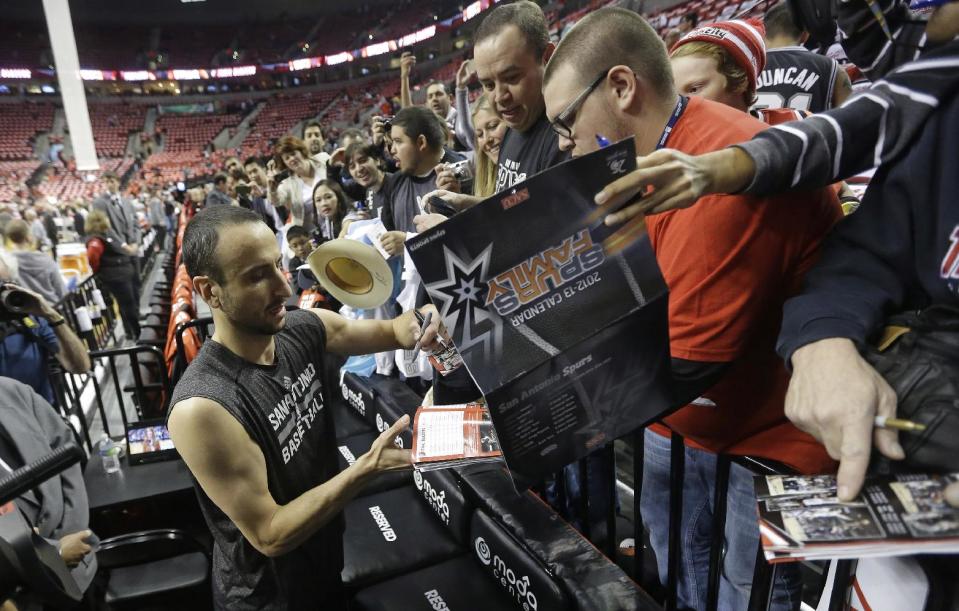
(357, 392)
(455, 584)
(590, 578)
(351, 448)
(520, 575)
(392, 399)
(441, 492)
(390, 533)
(381, 401)
(347, 422)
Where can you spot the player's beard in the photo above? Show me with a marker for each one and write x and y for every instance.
(255, 323)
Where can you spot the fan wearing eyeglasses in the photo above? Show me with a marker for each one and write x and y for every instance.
(730, 263)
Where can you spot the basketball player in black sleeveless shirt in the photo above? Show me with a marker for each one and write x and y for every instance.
(250, 418)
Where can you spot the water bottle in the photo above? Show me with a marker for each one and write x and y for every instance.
(110, 455)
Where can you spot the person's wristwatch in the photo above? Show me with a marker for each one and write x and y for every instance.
(57, 321)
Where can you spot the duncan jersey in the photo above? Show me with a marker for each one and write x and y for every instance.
(796, 78)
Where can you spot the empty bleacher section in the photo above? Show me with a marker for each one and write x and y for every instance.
(113, 124)
(280, 114)
(191, 132)
(19, 126)
(67, 185)
(13, 175)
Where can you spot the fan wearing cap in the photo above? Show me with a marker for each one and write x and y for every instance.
(721, 62)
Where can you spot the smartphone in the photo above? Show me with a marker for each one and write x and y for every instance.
(441, 206)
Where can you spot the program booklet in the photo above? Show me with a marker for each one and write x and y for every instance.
(801, 518)
(453, 435)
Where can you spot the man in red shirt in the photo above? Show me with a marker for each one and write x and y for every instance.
(729, 263)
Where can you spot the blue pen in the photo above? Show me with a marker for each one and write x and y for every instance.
(601, 141)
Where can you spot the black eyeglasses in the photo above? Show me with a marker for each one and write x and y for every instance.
(563, 123)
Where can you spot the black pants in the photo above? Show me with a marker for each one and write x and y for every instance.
(127, 302)
(161, 236)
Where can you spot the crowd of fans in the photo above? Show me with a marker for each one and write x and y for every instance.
(777, 275)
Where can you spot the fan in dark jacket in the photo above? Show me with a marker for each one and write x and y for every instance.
(110, 258)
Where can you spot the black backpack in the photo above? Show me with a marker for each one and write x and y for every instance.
(919, 358)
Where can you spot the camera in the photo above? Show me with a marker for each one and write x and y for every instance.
(243, 189)
(14, 302)
(388, 123)
(462, 170)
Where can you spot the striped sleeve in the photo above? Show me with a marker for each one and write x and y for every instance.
(866, 39)
(869, 129)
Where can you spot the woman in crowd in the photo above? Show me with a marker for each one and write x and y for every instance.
(332, 211)
(488, 132)
(110, 258)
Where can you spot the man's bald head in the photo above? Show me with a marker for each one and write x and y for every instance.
(611, 37)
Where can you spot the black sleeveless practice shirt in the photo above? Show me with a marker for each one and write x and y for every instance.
(285, 409)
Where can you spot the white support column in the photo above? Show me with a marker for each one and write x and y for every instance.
(60, 27)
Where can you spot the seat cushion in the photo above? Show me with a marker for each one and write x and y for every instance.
(510, 564)
(455, 584)
(381, 400)
(351, 448)
(158, 577)
(390, 533)
(441, 492)
(347, 422)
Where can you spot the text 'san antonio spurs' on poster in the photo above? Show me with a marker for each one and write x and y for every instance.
(560, 319)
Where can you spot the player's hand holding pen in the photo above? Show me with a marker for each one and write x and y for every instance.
(422, 329)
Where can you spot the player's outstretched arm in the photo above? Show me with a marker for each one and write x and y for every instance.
(230, 468)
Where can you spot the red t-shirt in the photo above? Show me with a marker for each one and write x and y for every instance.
(730, 263)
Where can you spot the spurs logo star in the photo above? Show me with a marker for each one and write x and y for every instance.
(467, 291)
(460, 297)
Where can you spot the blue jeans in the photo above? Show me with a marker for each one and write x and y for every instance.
(565, 495)
(741, 536)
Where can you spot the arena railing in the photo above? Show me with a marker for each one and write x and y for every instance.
(764, 574)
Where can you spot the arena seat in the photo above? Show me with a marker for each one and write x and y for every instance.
(505, 560)
(457, 583)
(442, 492)
(381, 400)
(590, 579)
(352, 447)
(390, 533)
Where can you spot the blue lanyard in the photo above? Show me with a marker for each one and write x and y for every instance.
(677, 113)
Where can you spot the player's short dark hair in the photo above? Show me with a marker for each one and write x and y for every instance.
(297, 231)
(312, 123)
(419, 121)
(610, 37)
(252, 160)
(779, 21)
(219, 178)
(203, 234)
(528, 18)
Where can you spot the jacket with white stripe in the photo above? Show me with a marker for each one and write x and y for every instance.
(899, 251)
(871, 128)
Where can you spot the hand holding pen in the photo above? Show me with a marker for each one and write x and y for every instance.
(425, 329)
